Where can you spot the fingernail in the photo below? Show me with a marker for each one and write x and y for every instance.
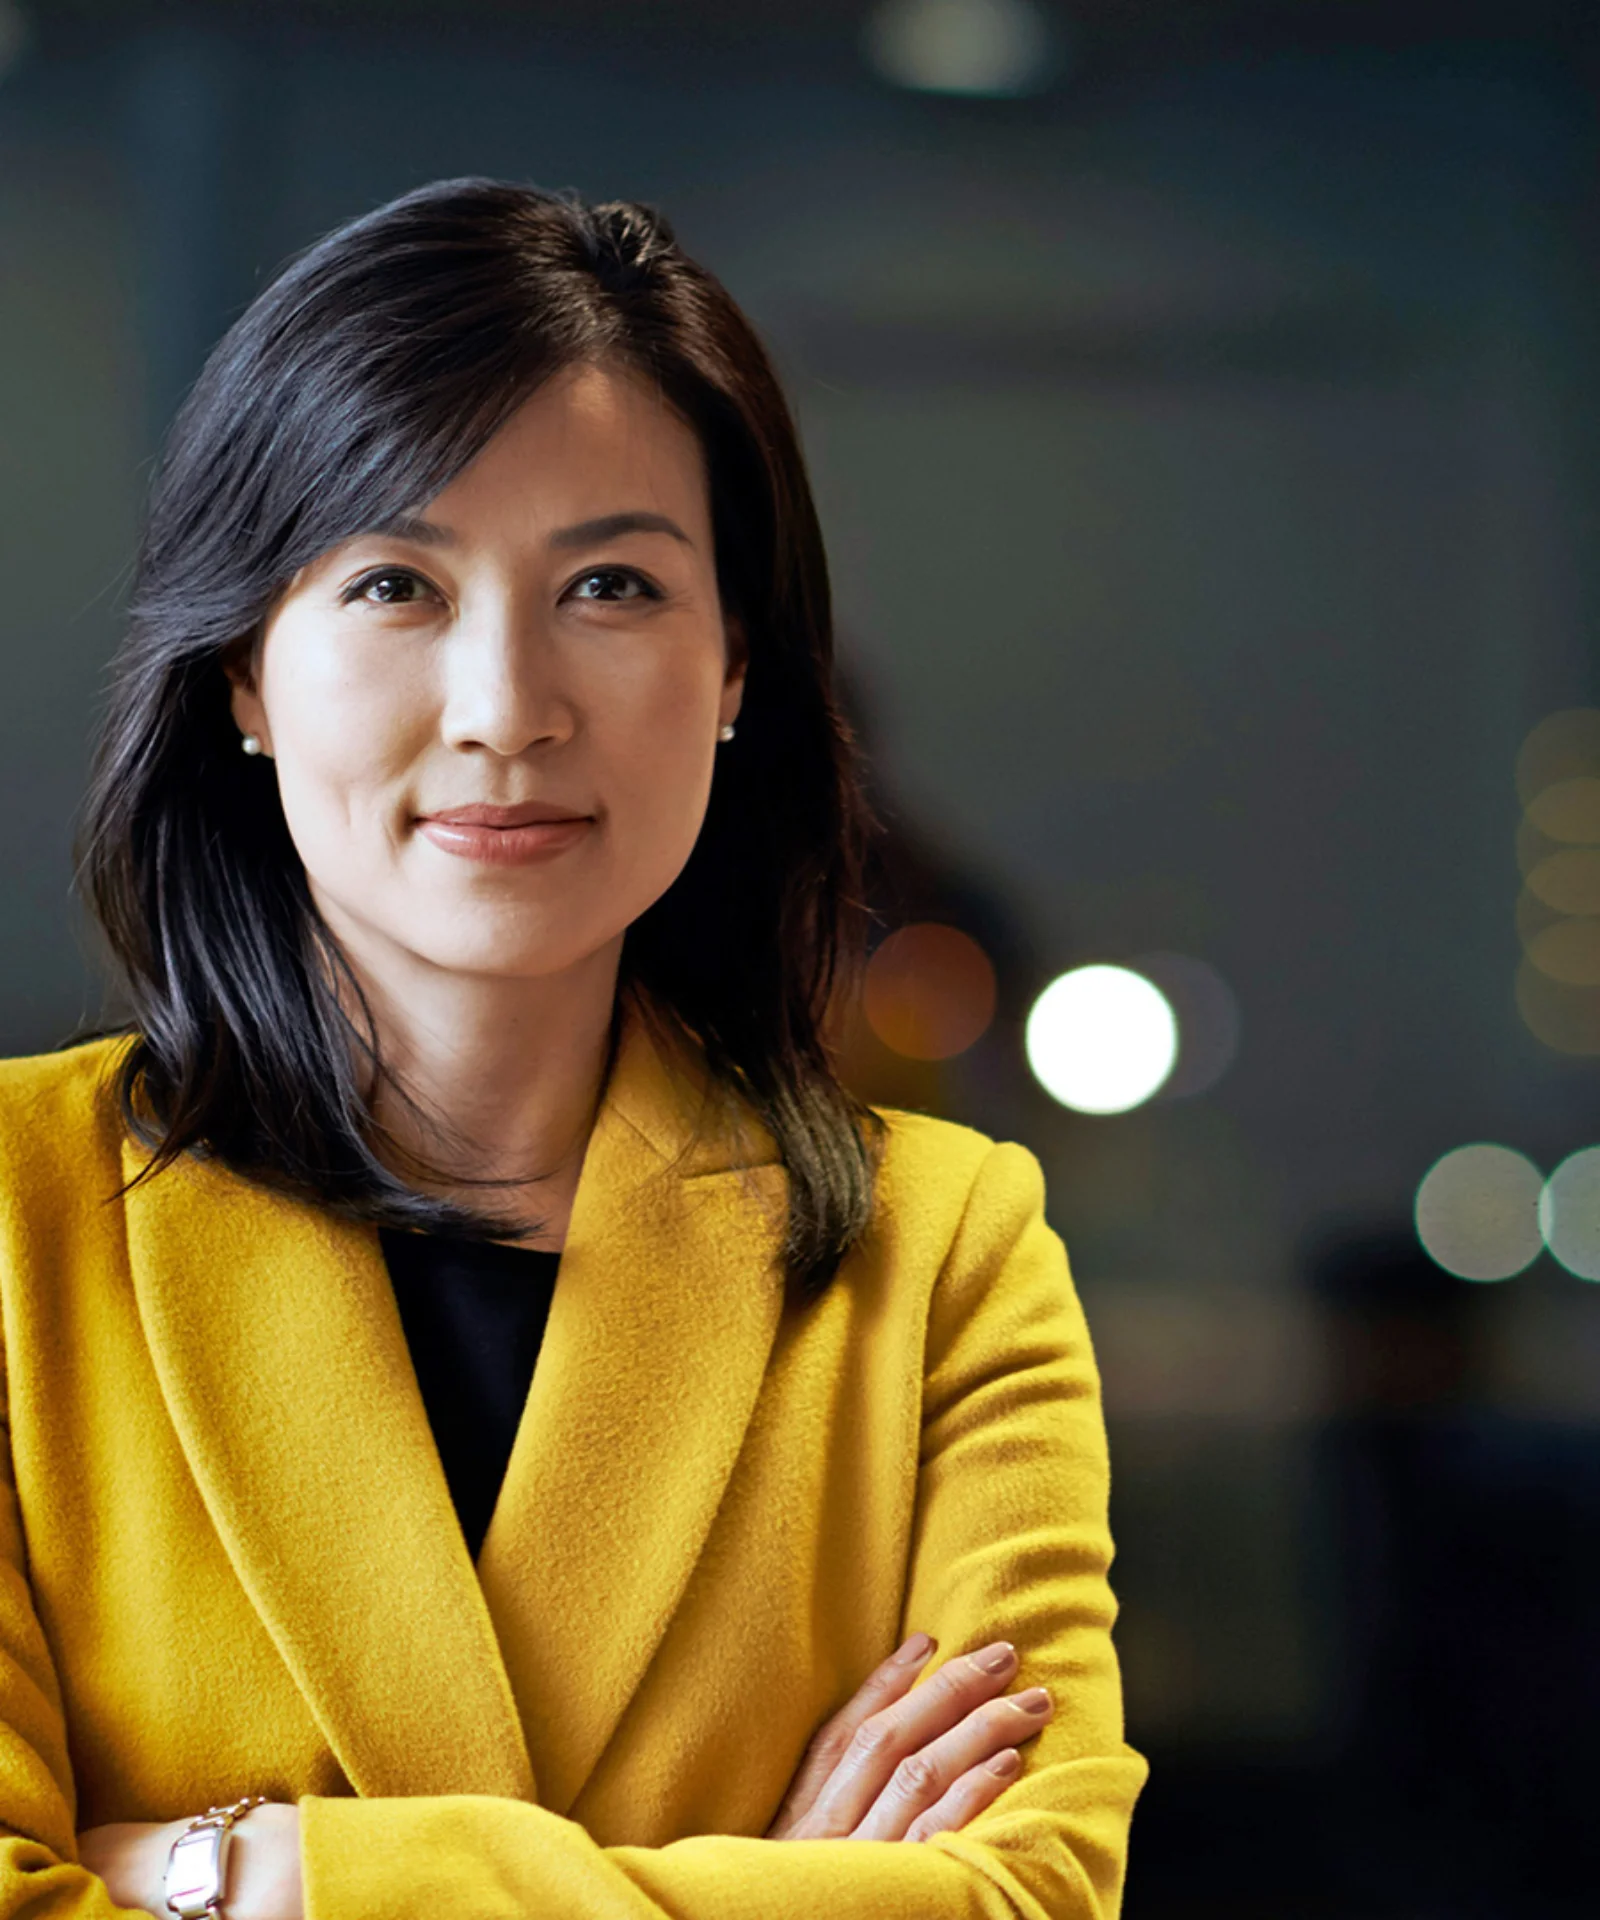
(918, 1647)
(1035, 1700)
(998, 1658)
(1007, 1763)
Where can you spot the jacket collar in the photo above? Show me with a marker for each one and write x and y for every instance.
(280, 1352)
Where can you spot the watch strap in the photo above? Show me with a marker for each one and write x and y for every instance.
(197, 1860)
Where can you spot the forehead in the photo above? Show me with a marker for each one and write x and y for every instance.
(578, 444)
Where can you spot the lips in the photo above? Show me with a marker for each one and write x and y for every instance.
(527, 835)
(529, 813)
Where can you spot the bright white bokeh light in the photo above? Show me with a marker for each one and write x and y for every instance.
(1101, 1039)
(1478, 1212)
(1569, 1213)
(985, 47)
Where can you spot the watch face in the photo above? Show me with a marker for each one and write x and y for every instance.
(193, 1878)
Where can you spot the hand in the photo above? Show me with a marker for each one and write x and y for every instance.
(263, 1864)
(888, 1767)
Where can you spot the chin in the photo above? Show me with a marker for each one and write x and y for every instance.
(505, 959)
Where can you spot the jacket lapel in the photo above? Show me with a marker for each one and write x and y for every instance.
(279, 1349)
(660, 1329)
(284, 1365)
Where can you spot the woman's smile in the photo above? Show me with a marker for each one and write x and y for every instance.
(505, 836)
(506, 845)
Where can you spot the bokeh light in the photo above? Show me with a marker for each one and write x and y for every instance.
(1558, 853)
(1568, 881)
(1565, 1018)
(1101, 1039)
(1477, 1212)
(1570, 810)
(1568, 951)
(1561, 747)
(980, 47)
(1533, 846)
(929, 991)
(1207, 1014)
(1569, 1213)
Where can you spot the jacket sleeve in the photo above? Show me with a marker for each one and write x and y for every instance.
(39, 1873)
(1010, 1540)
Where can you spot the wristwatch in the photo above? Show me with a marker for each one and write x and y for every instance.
(197, 1863)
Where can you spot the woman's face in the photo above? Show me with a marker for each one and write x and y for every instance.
(541, 648)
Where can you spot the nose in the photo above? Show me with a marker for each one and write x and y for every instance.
(503, 683)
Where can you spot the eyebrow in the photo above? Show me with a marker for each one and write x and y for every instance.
(412, 527)
(586, 533)
(609, 526)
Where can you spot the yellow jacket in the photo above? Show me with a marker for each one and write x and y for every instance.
(231, 1564)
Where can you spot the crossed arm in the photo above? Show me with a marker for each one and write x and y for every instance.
(897, 1762)
(1009, 1536)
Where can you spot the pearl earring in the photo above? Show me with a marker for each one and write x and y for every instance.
(725, 733)
(250, 743)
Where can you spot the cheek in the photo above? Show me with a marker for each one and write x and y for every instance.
(341, 742)
(660, 755)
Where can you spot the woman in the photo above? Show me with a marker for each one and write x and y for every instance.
(475, 835)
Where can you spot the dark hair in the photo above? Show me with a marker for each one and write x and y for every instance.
(356, 386)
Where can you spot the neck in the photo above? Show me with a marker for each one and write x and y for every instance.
(507, 1073)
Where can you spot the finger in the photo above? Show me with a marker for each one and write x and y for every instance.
(886, 1683)
(890, 1736)
(921, 1781)
(977, 1788)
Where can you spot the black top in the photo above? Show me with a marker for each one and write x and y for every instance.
(474, 1314)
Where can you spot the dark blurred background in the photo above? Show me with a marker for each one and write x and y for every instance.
(1204, 406)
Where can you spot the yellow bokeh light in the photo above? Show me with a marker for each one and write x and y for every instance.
(1533, 916)
(1568, 951)
(1558, 854)
(1565, 1018)
(1533, 846)
(1568, 881)
(1562, 747)
(1569, 810)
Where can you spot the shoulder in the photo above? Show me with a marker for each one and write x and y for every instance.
(959, 1228)
(70, 1080)
(57, 1109)
(923, 1153)
(939, 1181)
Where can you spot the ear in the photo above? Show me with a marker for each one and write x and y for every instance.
(249, 714)
(738, 656)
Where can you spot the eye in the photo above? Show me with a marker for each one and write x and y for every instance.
(610, 585)
(387, 587)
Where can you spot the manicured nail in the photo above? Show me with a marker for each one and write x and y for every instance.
(998, 1658)
(1035, 1700)
(918, 1647)
(1007, 1763)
